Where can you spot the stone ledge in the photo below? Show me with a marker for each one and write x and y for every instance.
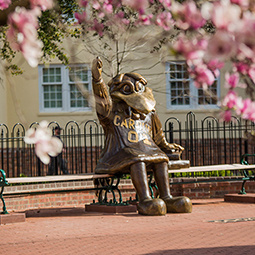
(53, 187)
(12, 218)
(239, 198)
(110, 208)
(56, 187)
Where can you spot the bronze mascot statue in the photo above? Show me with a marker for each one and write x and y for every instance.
(135, 142)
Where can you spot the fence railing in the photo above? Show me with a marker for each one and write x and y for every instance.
(206, 142)
(211, 141)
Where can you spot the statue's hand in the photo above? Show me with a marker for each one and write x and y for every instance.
(176, 147)
(97, 69)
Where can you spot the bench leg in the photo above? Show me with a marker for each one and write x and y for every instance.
(245, 179)
(152, 186)
(242, 191)
(108, 185)
(4, 207)
(3, 183)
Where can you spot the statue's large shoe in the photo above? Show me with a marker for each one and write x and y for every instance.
(152, 207)
(178, 204)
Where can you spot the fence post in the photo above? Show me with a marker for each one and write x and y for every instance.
(190, 129)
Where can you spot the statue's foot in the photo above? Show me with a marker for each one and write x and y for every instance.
(152, 207)
(178, 204)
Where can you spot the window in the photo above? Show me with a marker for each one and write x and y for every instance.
(181, 92)
(62, 88)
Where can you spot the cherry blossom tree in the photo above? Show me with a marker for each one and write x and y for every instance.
(208, 34)
(36, 28)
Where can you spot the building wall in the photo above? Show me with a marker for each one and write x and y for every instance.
(22, 99)
(3, 96)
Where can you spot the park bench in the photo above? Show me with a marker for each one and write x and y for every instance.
(109, 183)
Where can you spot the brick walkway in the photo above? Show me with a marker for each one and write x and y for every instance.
(72, 231)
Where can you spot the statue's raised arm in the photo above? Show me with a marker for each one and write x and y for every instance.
(102, 99)
(97, 70)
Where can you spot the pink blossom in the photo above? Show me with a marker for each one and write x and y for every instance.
(250, 113)
(187, 15)
(242, 3)
(244, 35)
(241, 67)
(81, 17)
(164, 20)
(145, 19)
(4, 4)
(139, 5)
(221, 46)
(83, 3)
(98, 27)
(223, 14)
(251, 72)
(214, 65)
(107, 7)
(45, 144)
(22, 33)
(230, 100)
(121, 16)
(101, 15)
(43, 4)
(96, 5)
(202, 76)
(243, 107)
(191, 49)
(226, 115)
(232, 80)
(166, 3)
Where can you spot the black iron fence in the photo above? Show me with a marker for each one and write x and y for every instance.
(206, 142)
(211, 141)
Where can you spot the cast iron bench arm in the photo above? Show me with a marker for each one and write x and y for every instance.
(3, 183)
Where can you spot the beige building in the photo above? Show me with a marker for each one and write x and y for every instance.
(48, 92)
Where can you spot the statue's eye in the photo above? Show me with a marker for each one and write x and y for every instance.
(126, 89)
(140, 87)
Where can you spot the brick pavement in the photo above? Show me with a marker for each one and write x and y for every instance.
(73, 231)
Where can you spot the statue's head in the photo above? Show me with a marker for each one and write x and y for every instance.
(131, 88)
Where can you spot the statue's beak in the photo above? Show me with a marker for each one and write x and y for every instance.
(142, 102)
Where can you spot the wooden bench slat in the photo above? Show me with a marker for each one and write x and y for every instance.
(223, 167)
(57, 178)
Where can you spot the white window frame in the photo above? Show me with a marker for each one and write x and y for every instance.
(193, 103)
(66, 98)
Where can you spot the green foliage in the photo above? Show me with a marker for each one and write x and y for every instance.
(22, 175)
(55, 25)
(7, 53)
(222, 173)
(14, 69)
